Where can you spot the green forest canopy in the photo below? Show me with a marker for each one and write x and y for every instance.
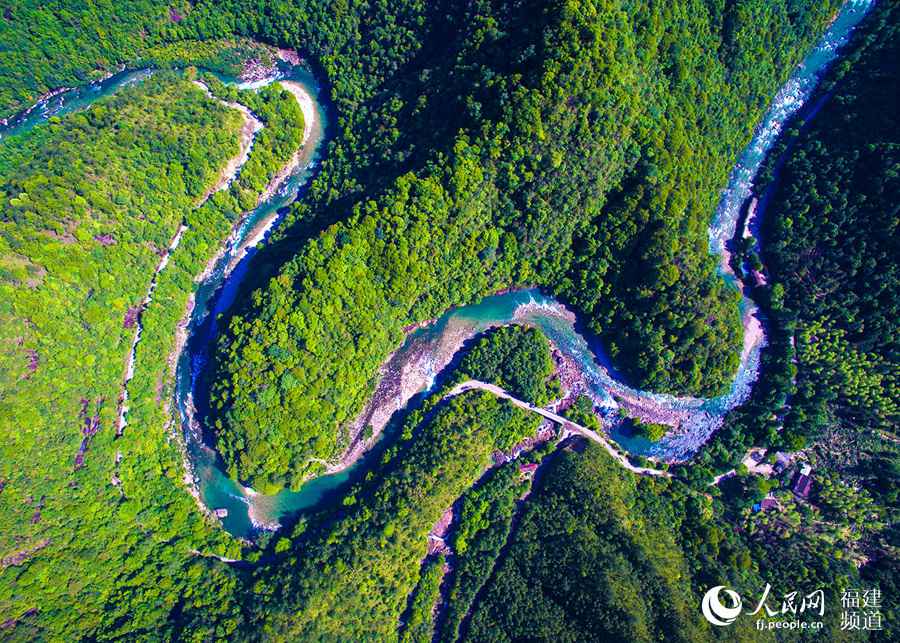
(584, 156)
(578, 146)
(92, 201)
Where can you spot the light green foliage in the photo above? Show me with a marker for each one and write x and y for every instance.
(228, 57)
(516, 358)
(92, 199)
(67, 42)
(651, 431)
(89, 201)
(419, 627)
(582, 412)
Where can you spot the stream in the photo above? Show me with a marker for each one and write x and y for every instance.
(416, 365)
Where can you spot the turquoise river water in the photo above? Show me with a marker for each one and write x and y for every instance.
(696, 418)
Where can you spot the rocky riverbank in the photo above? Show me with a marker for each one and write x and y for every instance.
(249, 128)
(408, 371)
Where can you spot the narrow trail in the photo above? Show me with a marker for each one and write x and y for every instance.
(568, 427)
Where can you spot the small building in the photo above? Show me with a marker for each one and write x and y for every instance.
(766, 504)
(782, 461)
(802, 483)
(527, 470)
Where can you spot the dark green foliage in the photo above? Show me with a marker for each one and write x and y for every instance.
(832, 247)
(831, 233)
(831, 373)
(587, 562)
(419, 625)
(485, 517)
(89, 201)
(516, 358)
(348, 576)
(641, 266)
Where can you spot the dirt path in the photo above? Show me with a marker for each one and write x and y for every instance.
(568, 427)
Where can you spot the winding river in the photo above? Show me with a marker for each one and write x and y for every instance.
(70, 100)
(414, 367)
(216, 294)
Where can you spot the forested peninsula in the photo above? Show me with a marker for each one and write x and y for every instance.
(589, 126)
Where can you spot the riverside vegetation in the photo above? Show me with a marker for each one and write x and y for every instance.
(480, 145)
(568, 146)
(91, 202)
(832, 246)
(830, 377)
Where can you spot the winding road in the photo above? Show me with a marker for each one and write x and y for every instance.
(568, 427)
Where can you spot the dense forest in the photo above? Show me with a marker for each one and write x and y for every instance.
(540, 176)
(588, 562)
(65, 44)
(831, 244)
(348, 576)
(90, 202)
(829, 250)
(93, 202)
(829, 387)
(478, 146)
(516, 358)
